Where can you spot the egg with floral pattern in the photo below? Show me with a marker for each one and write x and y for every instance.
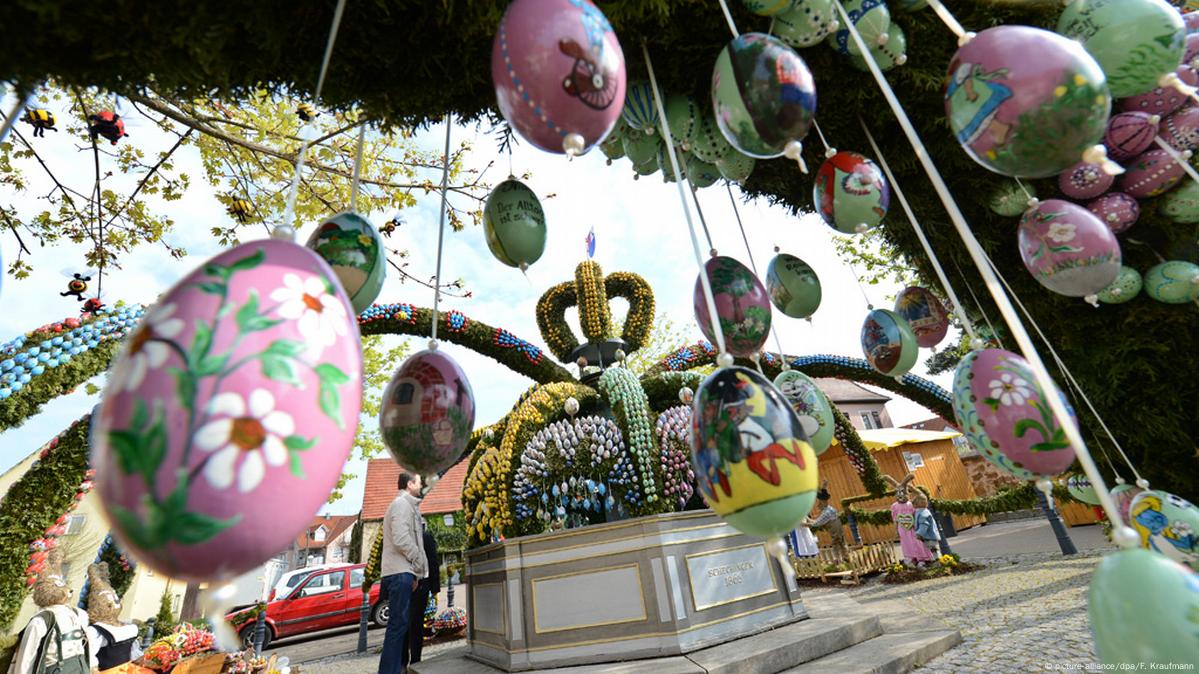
(1004, 412)
(1167, 524)
(1067, 249)
(230, 412)
(742, 306)
(427, 413)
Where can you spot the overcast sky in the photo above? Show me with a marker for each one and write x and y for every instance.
(639, 227)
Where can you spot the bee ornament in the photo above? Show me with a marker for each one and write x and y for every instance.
(240, 209)
(41, 121)
(77, 286)
(306, 112)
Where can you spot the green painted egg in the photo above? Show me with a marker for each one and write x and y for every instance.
(1181, 204)
(807, 23)
(683, 116)
(736, 167)
(351, 246)
(893, 53)
(514, 224)
(613, 145)
(811, 406)
(1173, 282)
(793, 286)
(889, 343)
(1143, 609)
(710, 145)
(1126, 286)
(769, 7)
(1136, 42)
(668, 173)
(1009, 200)
(646, 168)
(701, 173)
(870, 17)
(1080, 488)
(1167, 524)
(641, 147)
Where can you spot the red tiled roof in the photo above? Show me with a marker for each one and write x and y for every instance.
(446, 495)
(380, 489)
(335, 525)
(934, 424)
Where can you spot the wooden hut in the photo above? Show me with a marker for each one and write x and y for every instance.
(931, 455)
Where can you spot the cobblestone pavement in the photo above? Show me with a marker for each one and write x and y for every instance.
(369, 662)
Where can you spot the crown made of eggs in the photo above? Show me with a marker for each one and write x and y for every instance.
(590, 292)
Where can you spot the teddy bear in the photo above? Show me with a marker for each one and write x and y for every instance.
(113, 642)
(55, 639)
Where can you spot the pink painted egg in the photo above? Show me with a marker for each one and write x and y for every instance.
(427, 413)
(1123, 495)
(742, 306)
(1129, 134)
(1067, 249)
(559, 73)
(230, 412)
(1181, 129)
(1117, 210)
(1151, 174)
(1191, 21)
(1084, 181)
(1005, 413)
(1162, 100)
(1192, 50)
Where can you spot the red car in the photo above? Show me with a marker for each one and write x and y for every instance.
(328, 598)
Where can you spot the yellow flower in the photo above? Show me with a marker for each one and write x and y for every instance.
(1079, 80)
(1060, 90)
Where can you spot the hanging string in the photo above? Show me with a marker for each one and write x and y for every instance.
(724, 358)
(1124, 536)
(778, 343)
(13, 114)
(1065, 370)
(1027, 192)
(979, 306)
(728, 16)
(357, 169)
(445, 181)
(869, 304)
(828, 151)
(285, 229)
(928, 249)
(702, 221)
(950, 22)
(1180, 157)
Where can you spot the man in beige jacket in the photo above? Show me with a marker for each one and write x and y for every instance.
(403, 566)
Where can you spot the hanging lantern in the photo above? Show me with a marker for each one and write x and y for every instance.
(850, 193)
(1025, 102)
(1141, 608)
(1173, 282)
(206, 441)
(753, 464)
(427, 413)
(1167, 524)
(1004, 412)
(559, 73)
(1117, 210)
(1126, 286)
(1150, 174)
(736, 167)
(892, 52)
(793, 286)
(351, 246)
(763, 96)
(1067, 249)
(1136, 42)
(1162, 101)
(639, 111)
(683, 115)
(1010, 200)
(1129, 134)
(811, 406)
(888, 343)
(514, 224)
(924, 313)
(807, 23)
(1084, 181)
(871, 18)
(742, 306)
(1080, 488)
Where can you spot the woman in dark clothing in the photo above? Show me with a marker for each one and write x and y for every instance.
(420, 599)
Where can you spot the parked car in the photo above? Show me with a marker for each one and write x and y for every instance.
(324, 599)
(288, 581)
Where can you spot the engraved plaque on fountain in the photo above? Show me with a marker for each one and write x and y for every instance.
(726, 576)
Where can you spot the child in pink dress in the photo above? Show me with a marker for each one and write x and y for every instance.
(903, 513)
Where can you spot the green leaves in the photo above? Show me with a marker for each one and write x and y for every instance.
(280, 369)
(140, 450)
(331, 375)
(329, 398)
(250, 320)
(285, 347)
(296, 442)
(224, 273)
(170, 521)
(190, 528)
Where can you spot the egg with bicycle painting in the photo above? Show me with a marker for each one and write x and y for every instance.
(229, 413)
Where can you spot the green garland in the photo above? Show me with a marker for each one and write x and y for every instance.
(121, 569)
(32, 505)
(858, 454)
(662, 388)
(1019, 498)
(55, 382)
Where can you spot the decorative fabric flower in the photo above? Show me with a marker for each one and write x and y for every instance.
(145, 354)
(250, 435)
(1010, 389)
(321, 316)
(1061, 232)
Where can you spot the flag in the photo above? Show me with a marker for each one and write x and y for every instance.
(591, 243)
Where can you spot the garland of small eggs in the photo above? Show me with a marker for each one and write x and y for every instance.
(674, 439)
(40, 548)
(594, 315)
(630, 405)
(585, 446)
(21, 366)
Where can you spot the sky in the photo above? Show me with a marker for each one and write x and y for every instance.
(639, 227)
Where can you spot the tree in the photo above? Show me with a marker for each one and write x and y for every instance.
(356, 543)
(165, 620)
(664, 339)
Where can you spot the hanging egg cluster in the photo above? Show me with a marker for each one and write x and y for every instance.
(427, 413)
(514, 224)
(674, 436)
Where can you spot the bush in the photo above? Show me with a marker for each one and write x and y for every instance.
(165, 620)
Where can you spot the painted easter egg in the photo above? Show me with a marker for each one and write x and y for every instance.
(889, 343)
(1080, 488)
(1126, 286)
(1067, 249)
(351, 246)
(742, 306)
(870, 17)
(641, 148)
(807, 23)
(640, 111)
(893, 52)
(768, 7)
(1181, 129)
(1117, 210)
(793, 286)
(1181, 204)
(1162, 100)
(1167, 524)
(752, 461)
(647, 168)
(613, 145)
(850, 193)
(1003, 411)
(1173, 282)
(664, 165)
(559, 73)
(701, 173)
(736, 167)
(924, 313)
(1150, 174)
(230, 412)
(709, 143)
(811, 406)
(1142, 609)
(1010, 199)
(763, 96)
(1084, 181)
(1123, 494)
(1136, 42)
(514, 224)
(1191, 50)
(427, 413)
(1129, 134)
(683, 115)
(1009, 76)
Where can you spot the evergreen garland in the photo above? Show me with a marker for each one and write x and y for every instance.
(55, 382)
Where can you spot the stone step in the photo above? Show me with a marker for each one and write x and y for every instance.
(887, 654)
(775, 650)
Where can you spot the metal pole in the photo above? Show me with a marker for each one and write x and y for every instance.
(1059, 529)
(945, 549)
(260, 630)
(363, 618)
(149, 633)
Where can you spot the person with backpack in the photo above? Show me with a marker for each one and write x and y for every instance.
(55, 640)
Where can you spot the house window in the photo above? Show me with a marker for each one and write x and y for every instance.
(914, 460)
(404, 395)
(319, 535)
(75, 524)
(866, 421)
(878, 422)
(448, 519)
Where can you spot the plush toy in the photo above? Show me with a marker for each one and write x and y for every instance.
(904, 515)
(926, 526)
(113, 643)
(55, 639)
(830, 519)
